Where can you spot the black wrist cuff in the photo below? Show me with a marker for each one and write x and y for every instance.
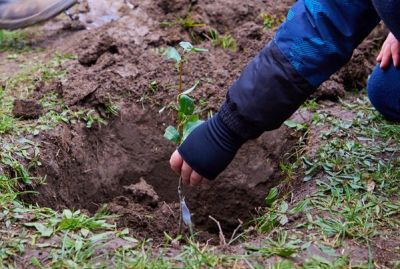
(210, 148)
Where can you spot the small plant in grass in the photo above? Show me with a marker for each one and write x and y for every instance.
(277, 212)
(187, 118)
(226, 41)
(13, 40)
(281, 245)
(186, 22)
(111, 108)
(6, 123)
(271, 21)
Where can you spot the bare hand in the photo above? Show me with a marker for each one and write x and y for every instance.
(179, 166)
(390, 51)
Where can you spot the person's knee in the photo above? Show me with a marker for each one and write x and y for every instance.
(384, 92)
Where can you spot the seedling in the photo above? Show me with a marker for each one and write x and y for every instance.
(226, 41)
(187, 118)
(188, 23)
(271, 21)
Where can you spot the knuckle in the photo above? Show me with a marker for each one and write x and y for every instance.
(196, 179)
(186, 171)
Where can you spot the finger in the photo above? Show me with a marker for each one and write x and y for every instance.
(386, 58)
(185, 173)
(195, 179)
(379, 58)
(176, 162)
(395, 54)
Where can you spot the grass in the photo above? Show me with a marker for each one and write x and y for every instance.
(226, 41)
(356, 176)
(271, 21)
(14, 41)
(278, 245)
(21, 86)
(186, 22)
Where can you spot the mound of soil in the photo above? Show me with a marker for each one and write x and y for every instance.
(27, 109)
(125, 163)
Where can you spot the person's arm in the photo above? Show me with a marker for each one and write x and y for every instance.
(317, 38)
(389, 12)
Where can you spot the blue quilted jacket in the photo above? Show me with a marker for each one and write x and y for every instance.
(317, 38)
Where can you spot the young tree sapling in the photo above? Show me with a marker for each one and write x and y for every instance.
(187, 117)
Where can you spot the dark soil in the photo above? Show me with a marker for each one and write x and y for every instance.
(125, 163)
(27, 109)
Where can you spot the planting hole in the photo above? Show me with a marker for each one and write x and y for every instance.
(125, 165)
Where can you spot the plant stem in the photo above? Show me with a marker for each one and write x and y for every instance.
(180, 90)
(180, 207)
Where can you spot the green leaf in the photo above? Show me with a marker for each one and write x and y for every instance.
(186, 105)
(300, 207)
(186, 46)
(100, 237)
(184, 119)
(271, 197)
(291, 123)
(85, 232)
(172, 54)
(190, 90)
(295, 125)
(172, 134)
(283, 219)
(284, 206)
(67, 213)
(43, 230)
(199, 50)
(189, 127)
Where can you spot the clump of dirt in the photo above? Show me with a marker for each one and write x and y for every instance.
(27, 109)
(142, 193)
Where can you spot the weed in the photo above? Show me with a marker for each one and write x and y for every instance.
(187, 22)
(271, 21)
(196, 256)
(280, 246)
(112, 109)
(6, 124)
(226, 41)
(153, 86)
(295, 125)
(13, 40)
(311, 105)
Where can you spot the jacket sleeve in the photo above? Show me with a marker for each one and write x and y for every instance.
(317, 38)
(389, 11)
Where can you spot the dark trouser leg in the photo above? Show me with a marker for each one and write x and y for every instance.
(384, 92)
